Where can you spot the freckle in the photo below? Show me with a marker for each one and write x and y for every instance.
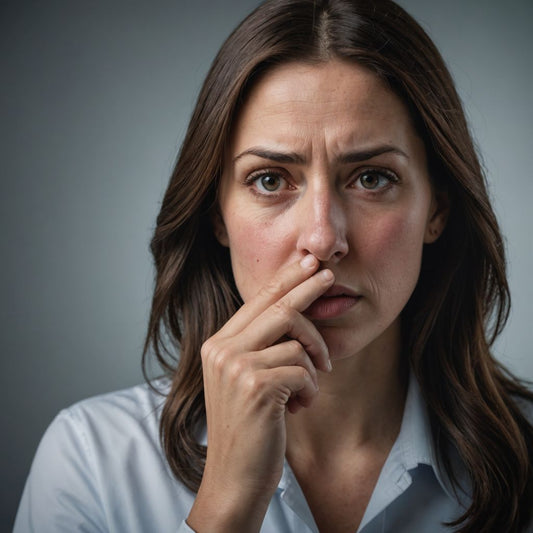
(257, 260)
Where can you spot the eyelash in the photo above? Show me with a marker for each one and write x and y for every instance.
(254, 177)
(378, 172)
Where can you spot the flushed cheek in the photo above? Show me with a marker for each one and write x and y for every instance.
(391, 250)
(396, 232)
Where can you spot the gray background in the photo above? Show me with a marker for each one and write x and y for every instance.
(94, 99)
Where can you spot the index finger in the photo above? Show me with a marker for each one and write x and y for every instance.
(284, 318)
(279, 286)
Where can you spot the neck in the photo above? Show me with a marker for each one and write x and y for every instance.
(359, 406)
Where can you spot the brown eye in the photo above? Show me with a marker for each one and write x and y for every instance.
(369, 180)
(269, 183)
(374, 180)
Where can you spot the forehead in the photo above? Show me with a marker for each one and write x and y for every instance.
(336, 100)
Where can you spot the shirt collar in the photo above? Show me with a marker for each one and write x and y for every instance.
(292, 494)
(415, 446)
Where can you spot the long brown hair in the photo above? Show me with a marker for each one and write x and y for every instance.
(461, 302)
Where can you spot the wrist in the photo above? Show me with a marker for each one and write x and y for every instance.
(227, 511)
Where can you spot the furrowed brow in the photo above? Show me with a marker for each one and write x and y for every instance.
(272, 155)
(354, 156)
(357, 156)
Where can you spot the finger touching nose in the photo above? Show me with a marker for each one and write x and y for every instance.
(322, 227)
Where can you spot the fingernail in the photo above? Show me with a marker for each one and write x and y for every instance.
(327, 275)
(308, 261)
(329, 365)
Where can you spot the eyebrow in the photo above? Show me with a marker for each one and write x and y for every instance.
(354, 156)
(357, 156)
(279, 157)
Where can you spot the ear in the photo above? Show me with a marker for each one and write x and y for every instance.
(219, 227)
(438, 216)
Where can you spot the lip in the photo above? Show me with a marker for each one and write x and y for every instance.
(334, 302)
(339, 290)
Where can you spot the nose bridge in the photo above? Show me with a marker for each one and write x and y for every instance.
(323, 226)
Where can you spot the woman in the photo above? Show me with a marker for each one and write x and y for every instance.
(331, 271)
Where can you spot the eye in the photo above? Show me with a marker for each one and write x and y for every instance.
(375, 179)
(267, 182)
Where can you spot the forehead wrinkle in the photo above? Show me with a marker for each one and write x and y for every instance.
(367, 123)
(302, 120)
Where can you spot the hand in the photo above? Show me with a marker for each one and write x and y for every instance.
(261, 363)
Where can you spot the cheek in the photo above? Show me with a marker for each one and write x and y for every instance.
(393, 247)
(398, 232)
(257, 251)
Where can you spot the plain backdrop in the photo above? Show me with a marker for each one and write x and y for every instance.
(94, 98)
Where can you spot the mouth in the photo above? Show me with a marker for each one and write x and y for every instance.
(334, 302)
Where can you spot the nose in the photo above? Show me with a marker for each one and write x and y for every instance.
(322, 224)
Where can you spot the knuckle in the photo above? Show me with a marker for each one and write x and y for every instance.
(252, 383)
(273, 289)
(224, 359)
(308, 383)
(206, 349)
(214, 354)
(221, 358)
(238, 368)
(282, 307)
(303, 374)
(294, 348)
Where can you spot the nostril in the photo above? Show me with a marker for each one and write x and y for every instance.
(323, 237)
(325, 254)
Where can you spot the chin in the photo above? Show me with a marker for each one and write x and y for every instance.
(341, 344)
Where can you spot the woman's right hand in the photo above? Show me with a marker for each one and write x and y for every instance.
(261, 363)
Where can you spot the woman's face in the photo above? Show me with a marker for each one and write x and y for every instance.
(324, 160)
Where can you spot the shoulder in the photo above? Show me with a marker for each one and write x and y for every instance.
(129, 400)
(120, 410)
(106, 430)
(100, 463)
(99, 427)
(116, 416)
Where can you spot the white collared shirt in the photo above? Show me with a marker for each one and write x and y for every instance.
(100, 468)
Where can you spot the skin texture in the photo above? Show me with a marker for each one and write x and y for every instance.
(372, 240)
(325, 168)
